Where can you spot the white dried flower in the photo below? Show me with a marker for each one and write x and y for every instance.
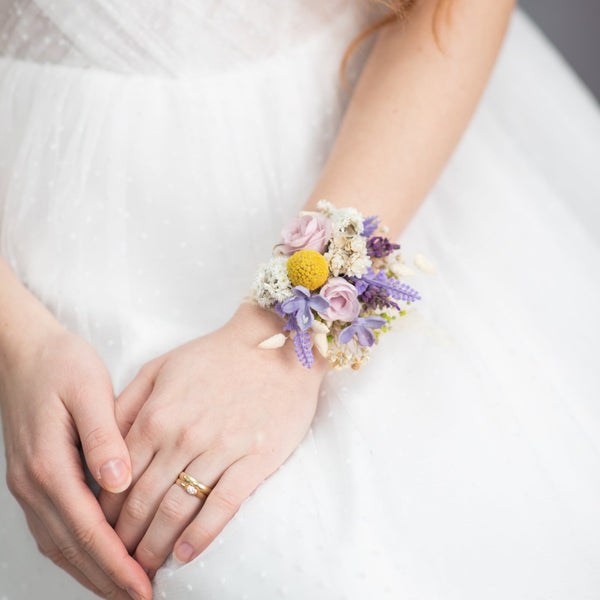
(344, 220)
(357, 265)
(347, 220)
(347, 255)
(319, 327)
(320, 343)
(275, 341)
(272, 283)
(336, 260)
(358, 244)
(424, 264)
(399, 269)
(326, 207)
(351, 354)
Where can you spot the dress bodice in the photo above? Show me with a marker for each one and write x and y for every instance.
(164, 37)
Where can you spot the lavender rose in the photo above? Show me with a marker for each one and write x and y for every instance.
(309, 232)
(343, 300)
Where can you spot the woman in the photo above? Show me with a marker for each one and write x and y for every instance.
(151, 156)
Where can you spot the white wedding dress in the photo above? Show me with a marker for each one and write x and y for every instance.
(151, 150)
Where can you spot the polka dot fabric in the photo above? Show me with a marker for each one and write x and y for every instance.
(151, 151)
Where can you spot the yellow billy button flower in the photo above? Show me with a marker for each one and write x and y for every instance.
(307, 268)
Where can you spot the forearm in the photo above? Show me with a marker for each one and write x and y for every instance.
(410, 107)
(22, 318)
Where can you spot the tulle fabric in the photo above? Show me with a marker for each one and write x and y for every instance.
(139, 191)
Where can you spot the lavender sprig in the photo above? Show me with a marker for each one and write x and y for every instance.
(301, 339)
(375, 297)
(370, 225)
(396, 289)
(303, 348)
(378, 247)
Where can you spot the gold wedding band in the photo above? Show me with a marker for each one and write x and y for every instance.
(193, 486)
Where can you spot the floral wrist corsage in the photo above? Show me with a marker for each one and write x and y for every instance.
(334, 279)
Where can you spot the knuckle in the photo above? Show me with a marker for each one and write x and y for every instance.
(204, 533)
(71, 553)
(148, 556)
(16, 481)
(46, 549)
(53, 554)
(86, 537)
(96, 438)
(188, 440)
(226, 501)
(82, 390)
(154, 421)
(39, 473)
(112, 593)
(146, 372)
(171, 511)
(135, 509)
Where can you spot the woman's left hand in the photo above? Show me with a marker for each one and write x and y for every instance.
(222, 410)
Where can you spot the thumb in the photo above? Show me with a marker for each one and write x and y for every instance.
(103, 446)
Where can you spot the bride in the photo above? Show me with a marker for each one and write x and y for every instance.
(151, 153)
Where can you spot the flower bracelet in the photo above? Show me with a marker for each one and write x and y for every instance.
(334, 279)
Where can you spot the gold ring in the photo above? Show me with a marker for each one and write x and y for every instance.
(192, 486)
(190, 489)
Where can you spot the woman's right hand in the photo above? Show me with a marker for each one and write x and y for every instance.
(55, 394)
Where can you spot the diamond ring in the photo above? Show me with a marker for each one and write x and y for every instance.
(193, 486)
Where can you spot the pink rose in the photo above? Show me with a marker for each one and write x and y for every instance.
(310, 232)
(343, 300)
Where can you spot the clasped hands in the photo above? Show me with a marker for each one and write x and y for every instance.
(217, 407)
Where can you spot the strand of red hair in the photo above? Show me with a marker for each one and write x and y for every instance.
(398, 10)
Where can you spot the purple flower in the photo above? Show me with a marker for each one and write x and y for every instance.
(376, 297)
(370, 225)
(378, 247)
(299, 308)
(362, 327)
(360, 285)
(303, 348)
(397, 290)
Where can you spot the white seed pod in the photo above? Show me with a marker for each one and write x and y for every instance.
(424, 264)
(399, 269)
(320, 343)
(275, 341)
(319, 327)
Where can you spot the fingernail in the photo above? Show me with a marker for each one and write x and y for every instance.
(184, 552)
(114, 475)
(133, 594)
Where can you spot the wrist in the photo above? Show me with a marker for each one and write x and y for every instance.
(23, 331)
(253, 324)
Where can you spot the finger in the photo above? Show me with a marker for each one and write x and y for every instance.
(80, 514)
(145, 497)
(142, 454)
(130, 401)
(93, 410)
(176, 511)
(50, 550)
(67, 553)
(234, 486)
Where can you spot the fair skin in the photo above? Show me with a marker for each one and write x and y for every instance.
(188, 409)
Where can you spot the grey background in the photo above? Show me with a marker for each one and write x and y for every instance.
(574, 27)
